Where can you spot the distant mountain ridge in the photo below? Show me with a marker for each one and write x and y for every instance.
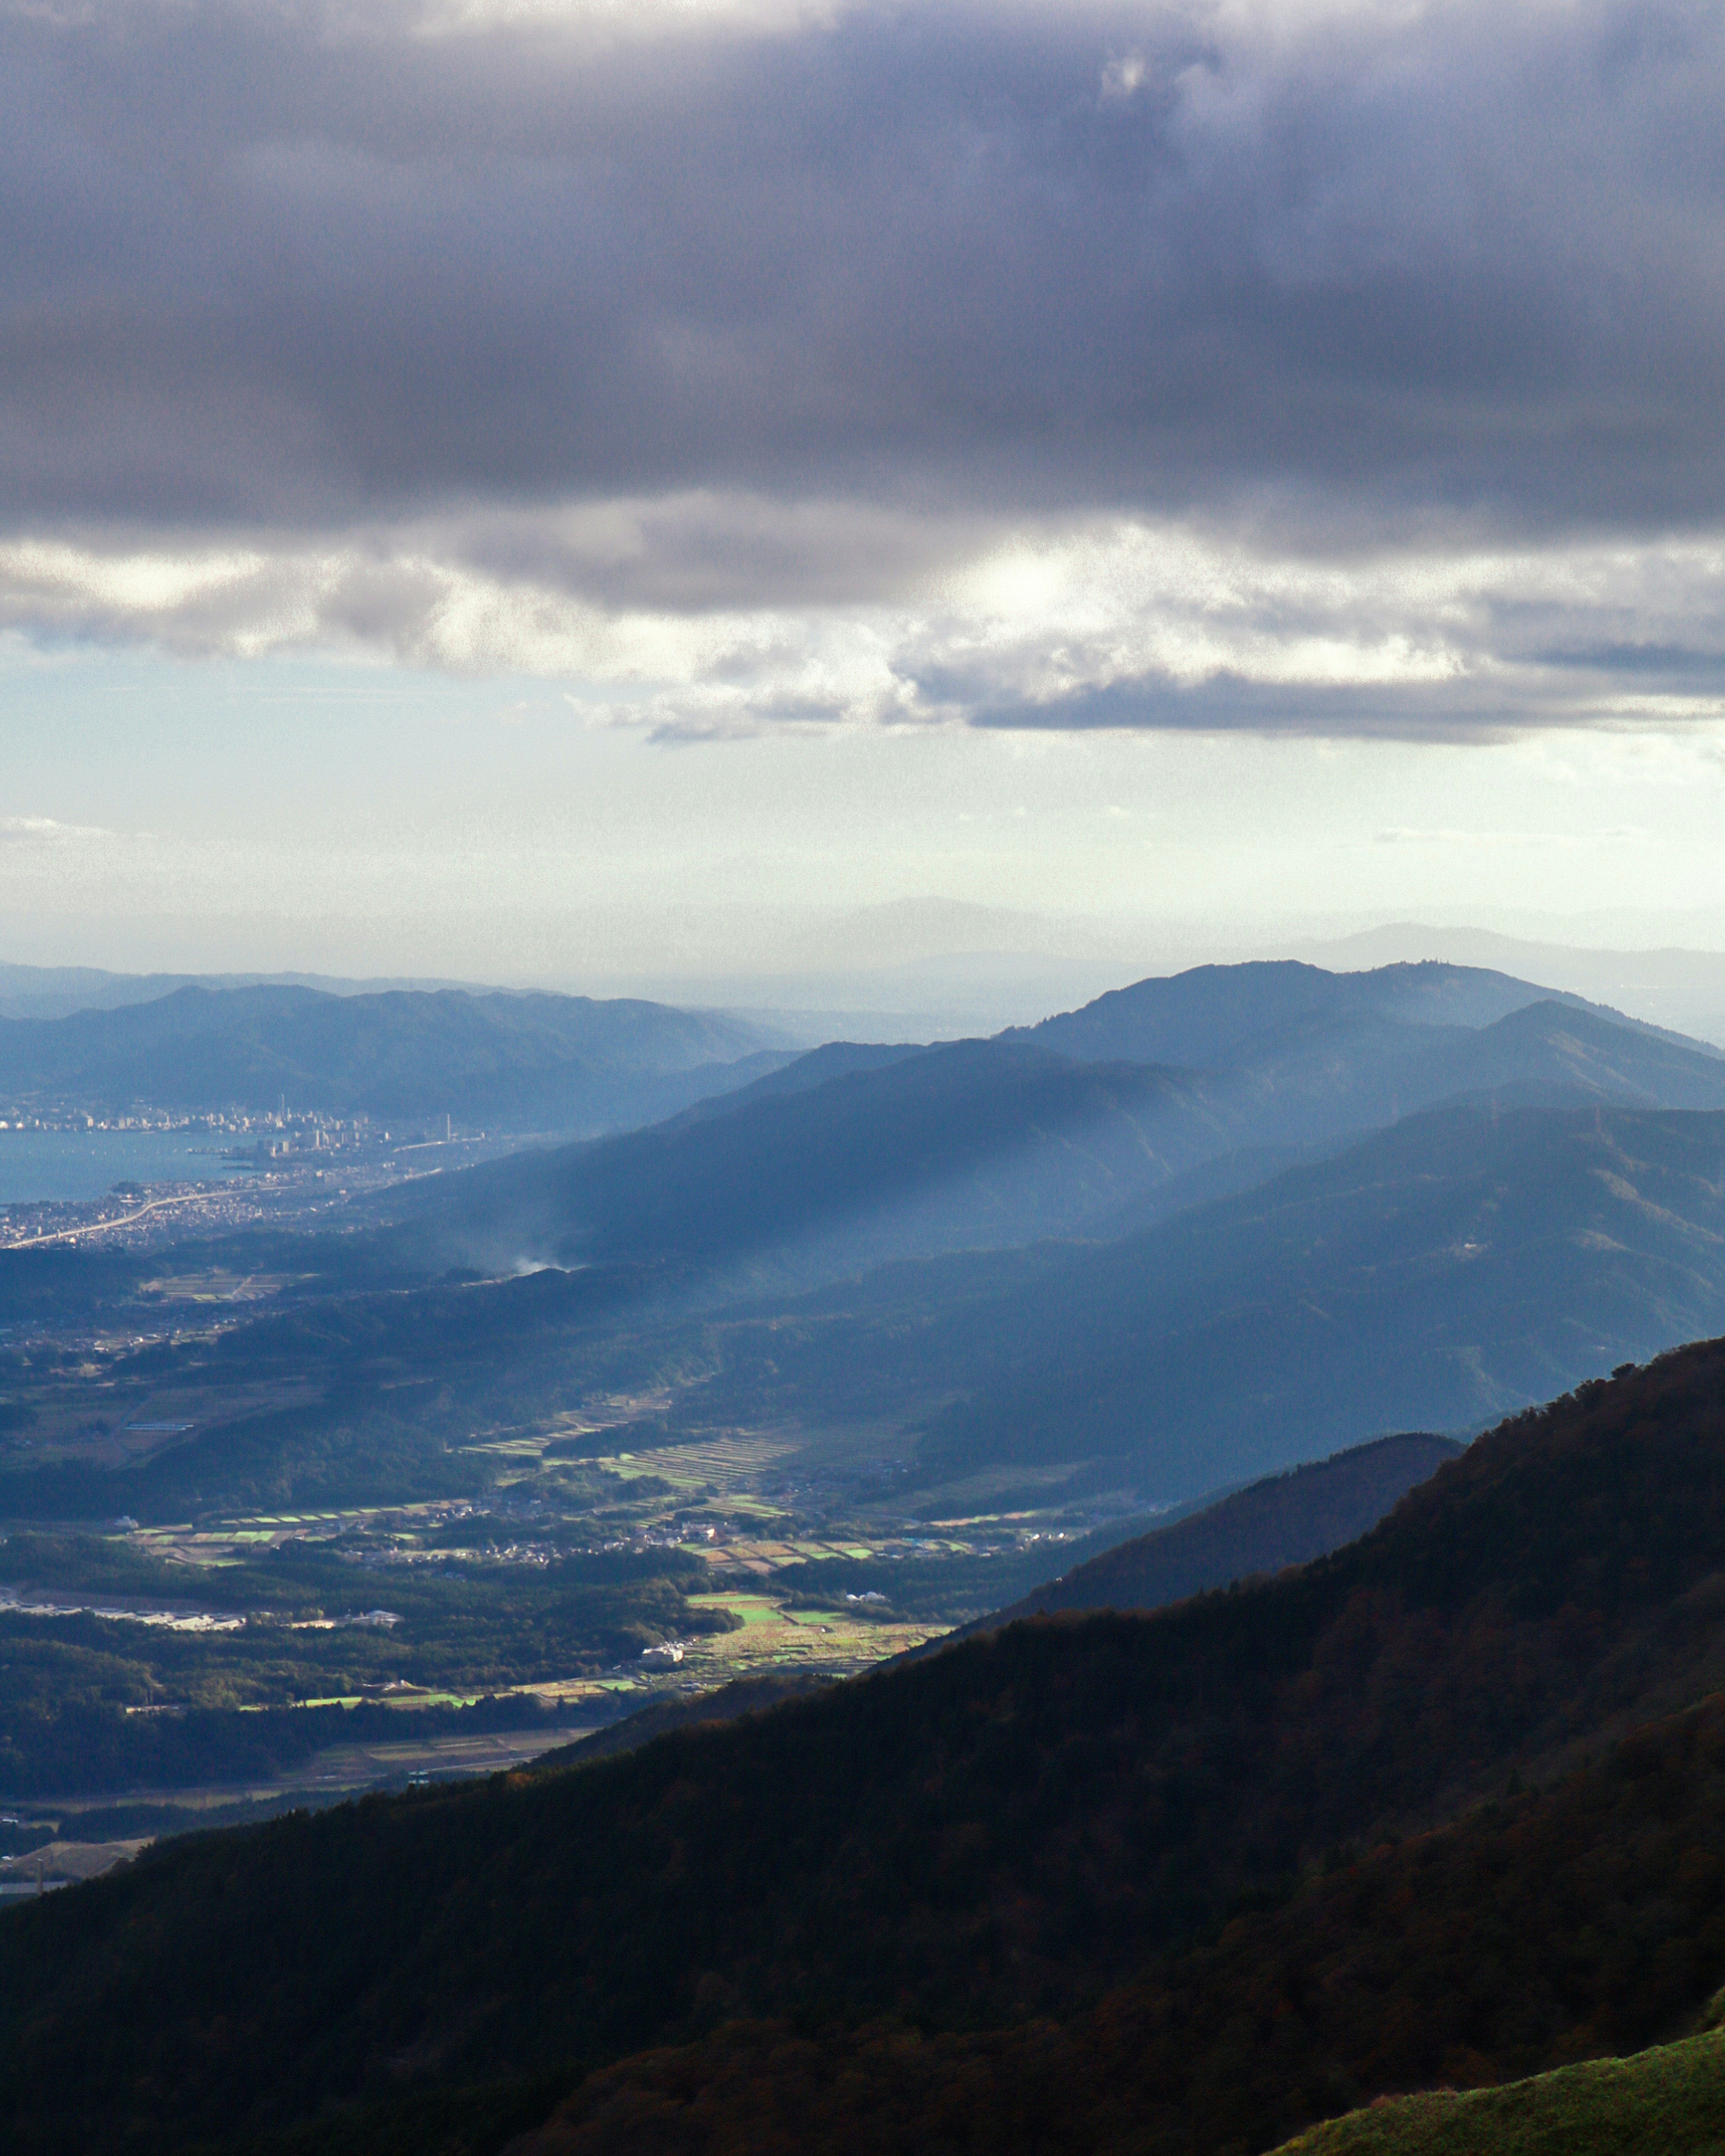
(1220, 1016)
(1439, 1273)
(51, 992)
(1286, 1519)
(522, 1061)
(853, 1154)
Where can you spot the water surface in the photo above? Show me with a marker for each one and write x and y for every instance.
(74, 1166)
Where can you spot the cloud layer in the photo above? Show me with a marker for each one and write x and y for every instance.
(1336, 367)
(1116, 624)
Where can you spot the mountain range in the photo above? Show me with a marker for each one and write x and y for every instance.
(524, 1062)
(1089, 1125)
(1454, 1266)
(1147, 1279)
(1393, 1763)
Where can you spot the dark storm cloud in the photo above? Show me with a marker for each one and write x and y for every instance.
(280, 268)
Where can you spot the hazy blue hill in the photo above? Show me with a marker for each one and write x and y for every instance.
(1283, 1519)
(1324, 1077)
(542, 1062)
(1222, 1017)
(1556, 1048)
(50, 992)
(975, 1143)
(834, 1058)
(1451, 1268)
(1440, 1272)
(855, 1154)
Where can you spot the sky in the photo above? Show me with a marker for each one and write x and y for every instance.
(618, 494)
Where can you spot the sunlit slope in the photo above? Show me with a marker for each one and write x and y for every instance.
(994, 1144)
(1433, 1277)
(1666, 2101)
(976, 1143)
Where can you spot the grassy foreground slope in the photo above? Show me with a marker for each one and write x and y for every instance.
(1289, 1820)
(1667, 2102)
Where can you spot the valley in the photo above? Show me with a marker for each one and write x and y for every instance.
(971, 1543)
(862, 1079)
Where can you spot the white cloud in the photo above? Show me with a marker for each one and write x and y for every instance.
(47, 831)
(1117, 623)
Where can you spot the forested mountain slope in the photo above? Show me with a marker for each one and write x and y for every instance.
(977, 1143)
(1583, 1921)
(1455, 1267)
(999, 1832)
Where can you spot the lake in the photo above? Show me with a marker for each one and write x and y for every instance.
(74, 1166)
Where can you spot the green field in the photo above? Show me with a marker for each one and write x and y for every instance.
(1670, 2101)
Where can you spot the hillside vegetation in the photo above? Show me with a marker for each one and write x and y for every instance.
(1533, 1931)
(1387, 1766)
(1666, 2101)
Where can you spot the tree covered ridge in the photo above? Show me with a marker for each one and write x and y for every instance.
(1587, 1919)
(996, 1834)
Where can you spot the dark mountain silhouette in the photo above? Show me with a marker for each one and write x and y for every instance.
(1444, 1784)
(1581, 1922)
(523, 1062)
(1284, 1519)
(743, 1695)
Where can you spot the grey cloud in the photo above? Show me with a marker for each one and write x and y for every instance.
(695, 552)
(1227, 701)
(271, 267)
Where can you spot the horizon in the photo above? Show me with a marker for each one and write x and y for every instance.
(1179, 473)
(950, 987)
